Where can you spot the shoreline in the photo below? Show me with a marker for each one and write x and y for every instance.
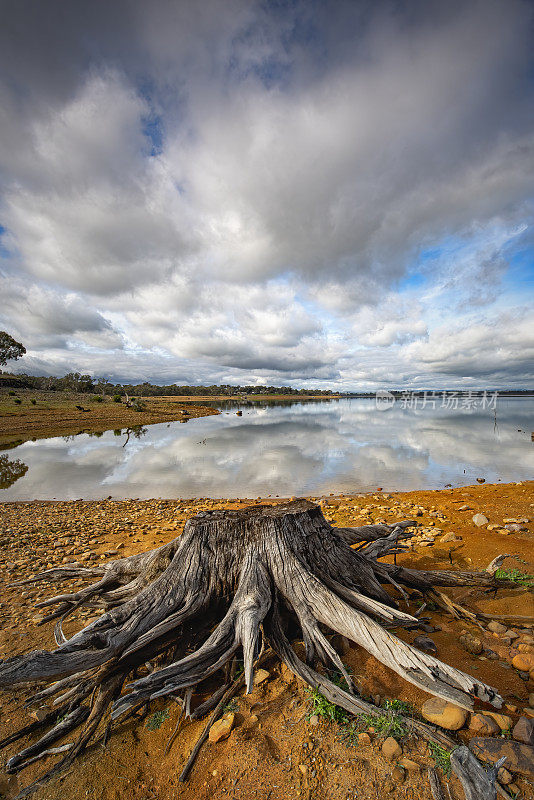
(56, 414)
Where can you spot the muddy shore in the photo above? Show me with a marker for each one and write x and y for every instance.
(281, 753)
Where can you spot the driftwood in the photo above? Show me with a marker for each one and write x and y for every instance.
(477, 783)
(231, 582)
(435, 785)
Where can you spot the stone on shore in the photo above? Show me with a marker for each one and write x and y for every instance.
(222, 728)
(519, 756)
(444, 714)
(391, 748)
(523, 731)
(483, 725)
(524, 662)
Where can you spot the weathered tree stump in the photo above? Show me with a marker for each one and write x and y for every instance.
(232, 581)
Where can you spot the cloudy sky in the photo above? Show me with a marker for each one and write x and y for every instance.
(333, 194)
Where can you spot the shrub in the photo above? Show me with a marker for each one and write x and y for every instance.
(33, 401)
(117, 398)
(12, 394)
(17, 401)
(96, 398)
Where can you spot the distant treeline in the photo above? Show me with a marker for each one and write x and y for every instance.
(86, 384)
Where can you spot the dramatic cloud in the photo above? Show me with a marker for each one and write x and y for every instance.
(244, 193)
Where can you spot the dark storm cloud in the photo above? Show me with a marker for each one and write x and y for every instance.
(245, 186)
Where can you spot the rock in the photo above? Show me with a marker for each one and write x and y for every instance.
(523, 662)
(504, 722)
(471, 644)
(483, 725)
(260, 676)
(450, 537)
(504, 777)
(222, 728)
(496, 627)
(39, 714)
(531, 699)
(519, 756)
(303, 768)
(398, 775)
(391, 748)
(425, 643)
(314, 720)
(444, 714)
(480, 520)
(523, 731)
(409, 765)
(364, 739)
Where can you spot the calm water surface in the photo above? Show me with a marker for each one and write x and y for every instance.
(281, 449)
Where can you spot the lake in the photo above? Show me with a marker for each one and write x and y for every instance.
(283, 449)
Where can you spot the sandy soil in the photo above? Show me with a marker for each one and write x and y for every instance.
(281, 754)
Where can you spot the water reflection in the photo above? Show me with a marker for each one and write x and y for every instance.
(10, 471)
(286, 449)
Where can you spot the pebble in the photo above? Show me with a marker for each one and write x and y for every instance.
(496, 627)
(222, 728)
(391, 748)
(260, 676)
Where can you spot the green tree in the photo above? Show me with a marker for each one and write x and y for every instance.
(10, 349)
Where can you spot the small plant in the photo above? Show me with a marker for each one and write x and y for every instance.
(515, 575)
(441, 756)
(230, 708)
(17, 401)
(400, 706)
(387, 723)
(156, 720)
(33, 401)
(12, 394)
(323, 708)
(117, 398)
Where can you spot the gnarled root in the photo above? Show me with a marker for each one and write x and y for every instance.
(230, 582)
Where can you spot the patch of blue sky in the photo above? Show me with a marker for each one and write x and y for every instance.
(153, 130)
(152, 123)
(520, 273)
(5, 252)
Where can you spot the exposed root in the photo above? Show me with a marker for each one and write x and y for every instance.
(231, 582)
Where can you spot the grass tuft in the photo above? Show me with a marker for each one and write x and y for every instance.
(156, 720)
(441, 756)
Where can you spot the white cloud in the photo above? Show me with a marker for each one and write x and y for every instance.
(239, 197)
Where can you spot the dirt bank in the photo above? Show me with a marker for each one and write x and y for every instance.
(56, 414)
(281, 754)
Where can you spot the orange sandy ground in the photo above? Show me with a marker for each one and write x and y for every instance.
(283, 755)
